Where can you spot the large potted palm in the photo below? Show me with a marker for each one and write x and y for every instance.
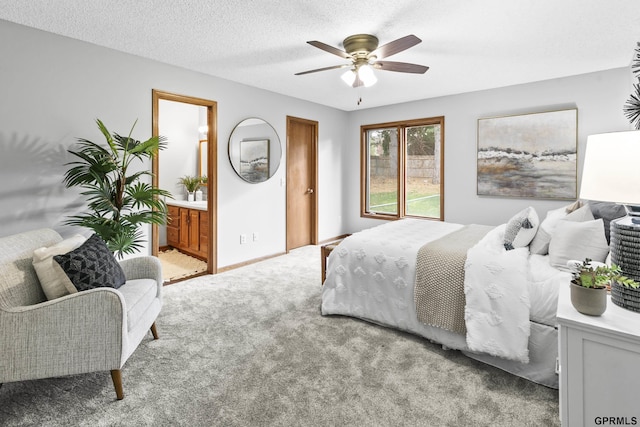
(118, 201)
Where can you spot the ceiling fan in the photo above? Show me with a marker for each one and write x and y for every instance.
(363, 52)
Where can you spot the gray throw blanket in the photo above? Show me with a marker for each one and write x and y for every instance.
(439, 288)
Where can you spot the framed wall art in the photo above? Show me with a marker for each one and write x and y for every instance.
(530, 155)
(254, 160)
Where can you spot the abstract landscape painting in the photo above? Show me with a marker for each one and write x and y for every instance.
(531, 155)
(254, 160)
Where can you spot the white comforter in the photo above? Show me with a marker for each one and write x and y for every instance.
(371, 275)
(497, 298)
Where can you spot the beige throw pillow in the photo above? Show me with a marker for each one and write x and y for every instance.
(53, 279)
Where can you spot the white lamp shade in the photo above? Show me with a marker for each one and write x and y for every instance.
(349, 77)
(367, 76)
(611, 171)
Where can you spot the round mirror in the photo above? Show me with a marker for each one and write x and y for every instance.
(254, 150)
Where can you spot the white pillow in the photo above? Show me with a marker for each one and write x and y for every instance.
(53, 279)
(576, 241)
(521, 229)
(540, 243)
(581, 215)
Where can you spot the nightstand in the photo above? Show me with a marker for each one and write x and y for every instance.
(599, 365)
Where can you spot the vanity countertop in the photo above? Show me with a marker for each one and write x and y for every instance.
(200, 205)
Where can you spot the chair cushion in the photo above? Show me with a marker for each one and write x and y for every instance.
(138, 295)
(92, 265)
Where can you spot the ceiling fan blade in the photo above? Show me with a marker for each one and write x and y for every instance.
(330, 49)
(396, 46)
(400, 67)
(333, 67)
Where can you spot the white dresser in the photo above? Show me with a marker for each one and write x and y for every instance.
(599, 365)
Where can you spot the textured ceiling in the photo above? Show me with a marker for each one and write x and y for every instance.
(468, 45)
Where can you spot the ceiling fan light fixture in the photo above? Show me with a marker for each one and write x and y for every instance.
(365, 72)
(349, 77)
(365, 55)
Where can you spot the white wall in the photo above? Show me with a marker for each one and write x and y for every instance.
(599, 98)
(179, 123)
(52, 89)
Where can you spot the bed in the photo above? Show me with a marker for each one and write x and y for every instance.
(373, 275)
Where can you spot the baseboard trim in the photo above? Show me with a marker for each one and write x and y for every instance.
(333, 239)
(251, 261)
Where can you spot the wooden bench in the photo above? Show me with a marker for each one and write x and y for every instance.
(325, 250)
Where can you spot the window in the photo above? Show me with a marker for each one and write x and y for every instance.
(402, 169)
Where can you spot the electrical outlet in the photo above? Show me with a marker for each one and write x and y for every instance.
(243, 239)
(255, 237)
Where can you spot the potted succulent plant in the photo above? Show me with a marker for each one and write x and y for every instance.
(589, 286)
(191, 184)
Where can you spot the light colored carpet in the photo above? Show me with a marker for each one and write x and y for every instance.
(249, 347)
(176, 265)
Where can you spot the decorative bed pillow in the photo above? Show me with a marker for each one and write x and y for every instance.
(540, 243)
(92, 265)
(54, 281)
(581, 215)
(608, 212)
(574, 206)
(576, 241)
(521, 229)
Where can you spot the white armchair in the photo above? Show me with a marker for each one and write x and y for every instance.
(94, 330)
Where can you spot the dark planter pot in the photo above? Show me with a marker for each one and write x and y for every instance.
(590, 301)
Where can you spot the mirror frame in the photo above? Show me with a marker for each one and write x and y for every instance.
(256, 143)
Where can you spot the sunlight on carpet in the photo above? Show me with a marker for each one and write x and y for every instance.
(176, 265)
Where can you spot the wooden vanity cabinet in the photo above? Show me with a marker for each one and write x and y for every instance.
(188, 231)
(173, 226)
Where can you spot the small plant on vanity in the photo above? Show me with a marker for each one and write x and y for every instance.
(191, 184)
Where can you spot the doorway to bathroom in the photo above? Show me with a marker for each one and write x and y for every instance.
(187, 168)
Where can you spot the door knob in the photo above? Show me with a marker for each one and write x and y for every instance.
(309, 190)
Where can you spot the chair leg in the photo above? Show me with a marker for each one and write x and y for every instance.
(154, 331)
(116, 376)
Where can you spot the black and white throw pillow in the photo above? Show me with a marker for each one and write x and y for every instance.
(92, 265)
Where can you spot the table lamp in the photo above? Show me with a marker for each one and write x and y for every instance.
(611, 173)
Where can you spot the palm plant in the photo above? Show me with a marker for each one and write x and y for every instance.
(118, 202)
